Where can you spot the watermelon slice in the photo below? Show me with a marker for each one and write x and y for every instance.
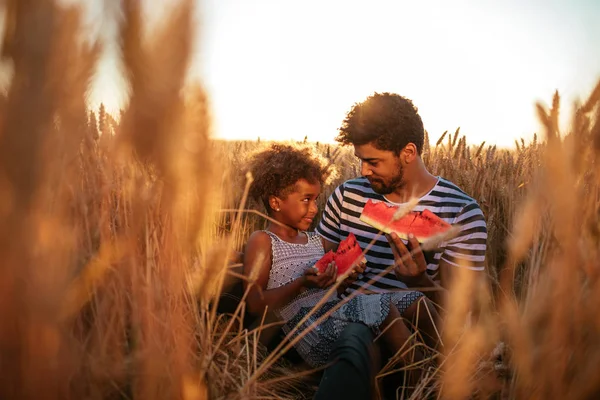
(423, 224)
(347, 254)
(322, 264)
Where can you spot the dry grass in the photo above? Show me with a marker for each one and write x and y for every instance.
(114, 248)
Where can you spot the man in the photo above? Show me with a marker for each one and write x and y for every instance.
(387, 135)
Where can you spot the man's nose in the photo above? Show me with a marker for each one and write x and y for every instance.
(364, 169)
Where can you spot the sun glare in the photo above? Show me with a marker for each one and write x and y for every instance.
(280, 70)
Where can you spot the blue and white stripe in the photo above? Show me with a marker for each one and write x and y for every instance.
(342, 216)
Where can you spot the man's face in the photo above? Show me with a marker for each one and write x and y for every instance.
(381, 167)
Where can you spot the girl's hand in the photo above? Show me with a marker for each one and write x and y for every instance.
(359, 269)
(312, 279)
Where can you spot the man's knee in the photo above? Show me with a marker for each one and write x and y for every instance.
(351, 374)
(356, 335)
(355, 346)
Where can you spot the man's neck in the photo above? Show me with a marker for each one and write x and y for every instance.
(418, 185)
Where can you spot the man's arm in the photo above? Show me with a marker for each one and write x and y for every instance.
(329, 245)
(410, 267)
(468, 248)
(466, 251)
(463, 259)
(433, 290)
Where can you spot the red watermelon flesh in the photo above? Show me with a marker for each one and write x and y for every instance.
(347, 253)
(322, 264)
(423, 225)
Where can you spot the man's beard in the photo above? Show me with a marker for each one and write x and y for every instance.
(384, 188)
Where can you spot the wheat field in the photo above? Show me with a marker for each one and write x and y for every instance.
(118, 235)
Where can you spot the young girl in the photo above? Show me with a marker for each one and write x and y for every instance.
(279, 261)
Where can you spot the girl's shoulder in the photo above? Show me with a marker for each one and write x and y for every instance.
(258, 239)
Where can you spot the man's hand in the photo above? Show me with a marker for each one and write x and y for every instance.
(410, 269)
(357, 270)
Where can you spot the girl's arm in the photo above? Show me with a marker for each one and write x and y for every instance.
(257, 266)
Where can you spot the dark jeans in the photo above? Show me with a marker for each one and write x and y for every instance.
(350, 377)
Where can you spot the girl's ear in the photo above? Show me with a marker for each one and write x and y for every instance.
(274, 203)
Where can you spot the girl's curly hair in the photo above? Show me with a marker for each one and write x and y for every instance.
(387, 120)
(276, 169)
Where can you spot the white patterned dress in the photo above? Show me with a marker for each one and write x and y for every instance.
(290, 260)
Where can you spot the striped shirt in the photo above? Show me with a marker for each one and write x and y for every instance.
(467, 249)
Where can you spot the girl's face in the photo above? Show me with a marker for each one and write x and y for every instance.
(299, 207)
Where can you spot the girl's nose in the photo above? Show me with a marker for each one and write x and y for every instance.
(313, 206)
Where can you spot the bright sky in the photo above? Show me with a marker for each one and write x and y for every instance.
(281, 69)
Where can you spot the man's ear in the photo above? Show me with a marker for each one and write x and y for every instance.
(409, 153)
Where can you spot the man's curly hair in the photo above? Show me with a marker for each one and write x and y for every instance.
(277, 168)
(387, 120)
